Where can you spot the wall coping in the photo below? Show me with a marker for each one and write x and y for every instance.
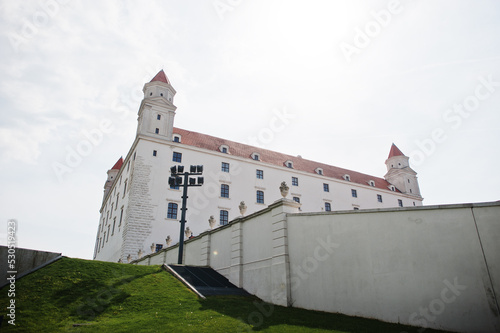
(239, 219)
(397, 209)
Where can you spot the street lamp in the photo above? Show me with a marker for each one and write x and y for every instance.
(180, 178)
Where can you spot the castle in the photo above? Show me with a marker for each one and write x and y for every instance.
(140, 211)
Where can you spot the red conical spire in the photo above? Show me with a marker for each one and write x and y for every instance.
(160, 77)
(118, 164)
(395, 151)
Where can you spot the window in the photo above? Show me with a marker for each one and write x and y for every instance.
(117, 197)
(260, 174)
(255, 156)
(408, 181)
(289, 164)
(134, 157)
(154, 152)
(392, 188)
(295, 181)
(356, 208)
(121, 217)
(379, 197)
(177, 157)
(224, 191)
(172, 210)
(260, 197)
(107, 237)
(328, 207)
(326, 187)
(113, 230)
(400, 203)
(157, 131)
(158, 247)
(174, 187)
(177, 138)
(158, 117)
(413, 203)
(224, 217)
(296, 199)
(371, 183)
(124, 187)
(224, 149)
(354, 193)
(225, 167)
(319, 171)
(347, 177)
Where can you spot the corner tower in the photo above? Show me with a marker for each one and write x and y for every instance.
(112, 175)
(400, 174)
(157, 111)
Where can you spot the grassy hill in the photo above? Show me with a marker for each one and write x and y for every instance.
(90, 296)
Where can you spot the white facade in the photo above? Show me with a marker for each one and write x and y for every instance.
(135, 217)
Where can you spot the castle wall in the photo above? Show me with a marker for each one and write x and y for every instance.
(433, 266)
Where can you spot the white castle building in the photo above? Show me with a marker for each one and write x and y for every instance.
(140, 212)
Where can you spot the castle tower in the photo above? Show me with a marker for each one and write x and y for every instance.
(112, 175)
(157, 111)
(400, 174)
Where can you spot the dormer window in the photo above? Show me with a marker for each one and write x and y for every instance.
(224, 149)
(392, 188)
(255, 156)
(371, 183)
(319, 171)
(177, 138)
(289, 164)
(347, 177)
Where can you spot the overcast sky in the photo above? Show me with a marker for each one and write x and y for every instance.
(352, 77)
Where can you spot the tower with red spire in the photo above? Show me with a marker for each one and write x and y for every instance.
(400, 174)
(112, 175)
(157, 111)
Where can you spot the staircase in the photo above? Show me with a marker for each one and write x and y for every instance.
(204, 281)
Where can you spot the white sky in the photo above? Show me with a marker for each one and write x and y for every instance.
(66, 66)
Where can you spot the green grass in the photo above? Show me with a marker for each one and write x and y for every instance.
(109, 297)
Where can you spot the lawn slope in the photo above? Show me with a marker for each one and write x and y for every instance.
(74, 295)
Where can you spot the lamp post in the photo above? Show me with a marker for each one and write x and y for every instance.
(180, 178)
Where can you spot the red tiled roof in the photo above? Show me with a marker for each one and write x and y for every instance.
(271, 157)
(395, 151)
(160, 77)
(118, 164)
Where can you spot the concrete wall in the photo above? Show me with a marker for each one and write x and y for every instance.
(26, 260)
(434, 266)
